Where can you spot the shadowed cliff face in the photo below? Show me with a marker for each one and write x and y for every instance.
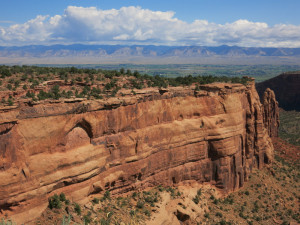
(286, 87)
(213, 135)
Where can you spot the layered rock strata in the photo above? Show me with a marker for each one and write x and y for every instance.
(156, 137)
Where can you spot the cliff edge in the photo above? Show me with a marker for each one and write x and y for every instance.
(217, 134)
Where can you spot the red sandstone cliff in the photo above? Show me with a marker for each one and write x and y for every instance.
(156, 137)
(271, 113)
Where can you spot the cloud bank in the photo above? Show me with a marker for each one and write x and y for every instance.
(134, 25)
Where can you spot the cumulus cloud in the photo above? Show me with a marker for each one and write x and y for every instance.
(134, 25)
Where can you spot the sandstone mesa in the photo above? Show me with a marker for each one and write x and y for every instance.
(217, 134)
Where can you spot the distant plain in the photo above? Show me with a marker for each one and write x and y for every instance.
(259, 72)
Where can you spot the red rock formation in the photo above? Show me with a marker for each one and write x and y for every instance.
(80, 148)
(271, 113)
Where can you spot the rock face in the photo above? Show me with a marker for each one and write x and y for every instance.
(156, 137)
(271, 113)
(286, 87)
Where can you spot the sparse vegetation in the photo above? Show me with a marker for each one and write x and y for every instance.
(289, 128)
(42, 83)
(54, 202)
(271, 194)
(6, 222)
(265, 198)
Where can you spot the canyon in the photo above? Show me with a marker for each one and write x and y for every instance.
(286, 88)
(216, 135)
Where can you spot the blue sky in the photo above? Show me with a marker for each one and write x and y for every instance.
(219, 11)
(238, 22)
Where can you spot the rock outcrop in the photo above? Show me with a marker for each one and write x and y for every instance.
(286, 87)
(156, 137)
(271, 113)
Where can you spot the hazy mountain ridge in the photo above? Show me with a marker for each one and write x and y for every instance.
(78, 50)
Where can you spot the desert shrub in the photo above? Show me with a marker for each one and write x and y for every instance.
(219, 214)
(77, 209)
(9, 86)
(199, 192)
(147, 212)
(87, 218)
(55, 92)
(106, 195)
(140, 204)
(161, 188)
(95, 200)
(42, 95)
(17, 83)
(196, 199)
(54, 202)
(216, 201)
(134, 195)
(10, 102)
(62, 197)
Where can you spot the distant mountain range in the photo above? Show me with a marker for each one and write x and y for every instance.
(78, 50)
(80, 54)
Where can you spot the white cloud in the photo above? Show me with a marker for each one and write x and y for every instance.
(134, 25)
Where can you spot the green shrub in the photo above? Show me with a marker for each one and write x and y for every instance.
(95, 200)
(161, 188)
(87, 218)
(62, 197)
(9, 86)
(134, 195)
(77, 209)
(140, 204)
(196, 199)
(55, 92)
(106, 195)
(10, 102)
(219, 214)
(54, 202)
(147, 212)
(199, 192)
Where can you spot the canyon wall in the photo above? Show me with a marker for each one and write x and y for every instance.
(81, 148)
(286, 87)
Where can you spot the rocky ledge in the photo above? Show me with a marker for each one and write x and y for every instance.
(217, 134)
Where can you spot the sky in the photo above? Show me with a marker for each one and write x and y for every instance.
(248, 23)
